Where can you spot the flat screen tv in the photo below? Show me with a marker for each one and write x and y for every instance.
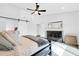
(54, 35)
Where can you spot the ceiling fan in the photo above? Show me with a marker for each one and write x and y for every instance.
(36, 9)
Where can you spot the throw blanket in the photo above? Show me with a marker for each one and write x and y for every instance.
(39, 40)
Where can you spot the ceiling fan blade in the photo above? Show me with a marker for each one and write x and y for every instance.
(37, 6)
(30, 9)
(39, 14)
(36, 3)
(33, 12)
(41, 10)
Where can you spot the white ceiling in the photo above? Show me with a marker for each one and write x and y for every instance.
(51, 8)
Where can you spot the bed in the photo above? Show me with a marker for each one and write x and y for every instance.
(62, 49)
(23, 46)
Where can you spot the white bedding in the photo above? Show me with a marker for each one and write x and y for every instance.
(62, 49)
(25, 47)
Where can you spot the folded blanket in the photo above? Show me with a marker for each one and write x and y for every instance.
(39, 40)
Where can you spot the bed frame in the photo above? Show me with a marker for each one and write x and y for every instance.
(42, 52)
(45, 50)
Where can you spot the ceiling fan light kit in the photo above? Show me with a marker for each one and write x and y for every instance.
(36, 9)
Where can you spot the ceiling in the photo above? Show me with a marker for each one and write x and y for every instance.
(51, 8)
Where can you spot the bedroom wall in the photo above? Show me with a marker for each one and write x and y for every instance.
(29, 28)
(8, 10)
(45, 20)
(2, 25)
(78, 27)
(32, 28)
(70, 22)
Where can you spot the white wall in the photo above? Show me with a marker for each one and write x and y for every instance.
(32, 25)
(29, 28)
(78, 27)
(70, 22)
(8, 11)
(2, 25)
(46, 19)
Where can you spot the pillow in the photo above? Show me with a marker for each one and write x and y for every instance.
(9, 38)
(14, 35)
(39, 40)
(5, 44)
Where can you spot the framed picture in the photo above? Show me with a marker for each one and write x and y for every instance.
(55, 25)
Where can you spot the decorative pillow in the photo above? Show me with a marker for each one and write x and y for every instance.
(14, 35)
(9, 38)
(5, 44)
